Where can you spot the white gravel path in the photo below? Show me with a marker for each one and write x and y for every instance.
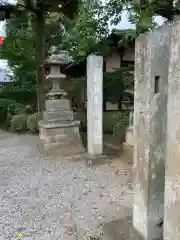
(50, 199)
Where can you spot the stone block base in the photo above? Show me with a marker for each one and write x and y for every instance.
(61, 139)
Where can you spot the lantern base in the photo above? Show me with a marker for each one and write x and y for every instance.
(62, 138)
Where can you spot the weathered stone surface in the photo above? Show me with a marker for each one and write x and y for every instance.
(63, 136)
(94, 104)
(151, 82)
(58, 129)
(54, 116)
(172, 180)
(57, 104)
(63, 144)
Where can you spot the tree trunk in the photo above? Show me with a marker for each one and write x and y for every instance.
(40, 57)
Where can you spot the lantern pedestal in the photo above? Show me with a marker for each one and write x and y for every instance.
(62, 138)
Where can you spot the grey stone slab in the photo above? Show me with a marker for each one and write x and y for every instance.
(54, 116)
(94, 104)
(172, 179)
(62, 104)
(150, 119)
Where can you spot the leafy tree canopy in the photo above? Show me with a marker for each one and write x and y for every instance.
(87, 30)
(40, 24)
(142, 12)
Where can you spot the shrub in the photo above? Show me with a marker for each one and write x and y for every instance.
(82, 117)
(3, 116)
(109, 120)
(14, 107)
(19, 123)
(7, 123)
(32, 122)
(120, 126)
(8, 109)
(4, 113)
(25, 110)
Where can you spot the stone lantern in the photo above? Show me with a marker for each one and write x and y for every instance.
(58, 130)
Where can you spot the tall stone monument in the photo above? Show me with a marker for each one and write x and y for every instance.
(58, 129)
(172, 177)
(95, 105)
(150, 124)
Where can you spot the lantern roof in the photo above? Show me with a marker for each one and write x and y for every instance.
(61, 58)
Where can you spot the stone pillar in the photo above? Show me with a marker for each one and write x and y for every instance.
(150, 114)
(94, 104)
(172, 177)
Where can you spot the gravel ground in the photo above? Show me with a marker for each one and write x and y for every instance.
(54, 199)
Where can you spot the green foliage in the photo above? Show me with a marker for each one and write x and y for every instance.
(141, 13)
(126, 36)
(117, 85)
(121, 124)
(109, 120)
(86, 31)
(82, 117)
(25, 110)
(22, 89)
(18, 46)
(19, 123)
(33, 28)
(113, 9)
(32, 122)
(18, 49)
(4, 103)
(19, 96)
(77, 85)
(9, 108)
(20, 41)
(14, 107)
(90, 28)
(165, 8)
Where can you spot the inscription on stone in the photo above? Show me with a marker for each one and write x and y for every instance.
(94, 104)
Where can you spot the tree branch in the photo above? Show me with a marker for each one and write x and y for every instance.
(29, 6)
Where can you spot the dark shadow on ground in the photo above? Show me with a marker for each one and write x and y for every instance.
(121, 229)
